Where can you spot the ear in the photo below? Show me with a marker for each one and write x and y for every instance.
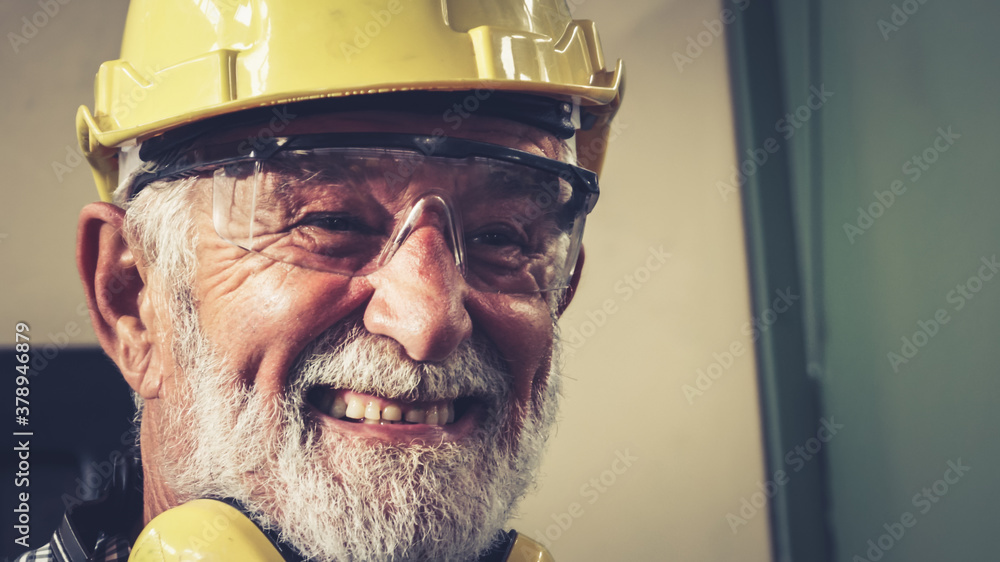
(574, 280)
(114, 284)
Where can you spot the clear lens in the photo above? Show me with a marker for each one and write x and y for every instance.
(511, 228)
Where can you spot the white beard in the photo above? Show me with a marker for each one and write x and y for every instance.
(338, 497)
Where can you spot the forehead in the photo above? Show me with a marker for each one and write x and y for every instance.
(474, 127)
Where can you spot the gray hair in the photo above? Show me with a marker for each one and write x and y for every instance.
(159, 228)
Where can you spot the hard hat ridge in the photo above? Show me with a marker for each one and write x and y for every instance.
(184, 62)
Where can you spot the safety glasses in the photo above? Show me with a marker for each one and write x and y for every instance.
(346, 203)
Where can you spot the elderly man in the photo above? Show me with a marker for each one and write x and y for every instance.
(344, 235)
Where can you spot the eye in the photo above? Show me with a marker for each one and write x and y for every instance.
(493, 239)
(336, 223)
(498, 235)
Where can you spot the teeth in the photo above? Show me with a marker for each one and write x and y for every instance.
(432, 415)
(392, 413)
(369, 421)
(355, 409)
(416, 415)
(339, 408)
(376, 411)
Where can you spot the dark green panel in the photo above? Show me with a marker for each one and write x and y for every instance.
(789, 400)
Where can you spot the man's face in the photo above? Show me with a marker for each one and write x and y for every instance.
(272, 353)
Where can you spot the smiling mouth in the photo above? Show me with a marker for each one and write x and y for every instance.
(356, 407)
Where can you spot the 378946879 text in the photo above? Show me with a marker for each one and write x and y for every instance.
(22, 448)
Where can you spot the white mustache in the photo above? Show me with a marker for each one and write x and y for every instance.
(320, 488)
(350, 357)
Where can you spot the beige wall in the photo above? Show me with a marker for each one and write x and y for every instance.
(624, 388)
(691, 461)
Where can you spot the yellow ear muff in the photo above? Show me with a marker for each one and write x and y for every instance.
(203, 530)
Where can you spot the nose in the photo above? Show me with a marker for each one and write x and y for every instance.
(419, 298)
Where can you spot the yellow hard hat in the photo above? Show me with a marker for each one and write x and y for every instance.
(184, 61)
